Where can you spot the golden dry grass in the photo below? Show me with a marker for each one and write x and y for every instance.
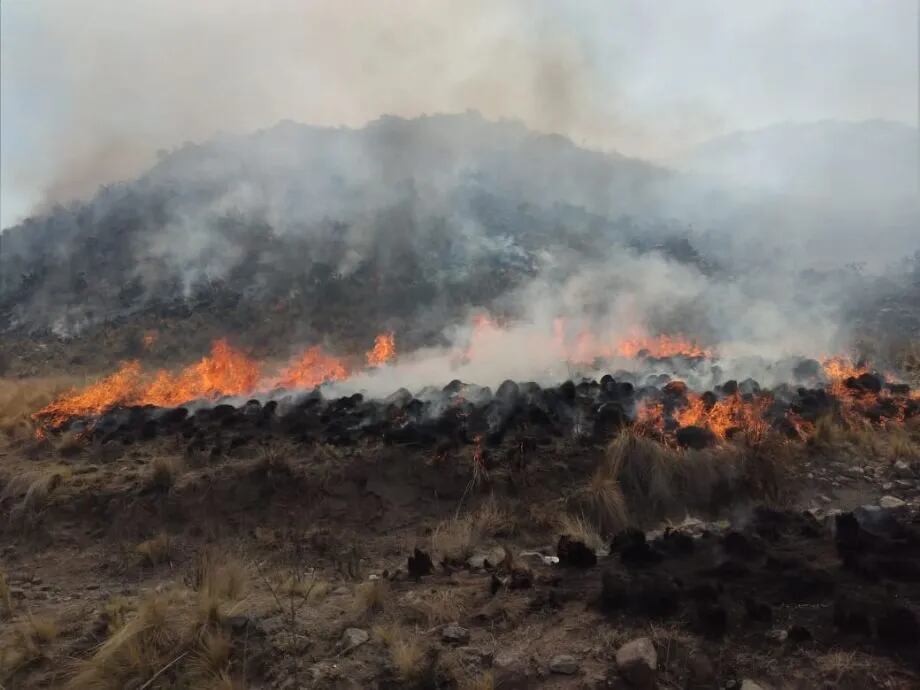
(454, 539)
(164, 472)
(156, 550)
(436, 607)
(407, 653)
(176, 628)
(580, 528)
(371, 597)
(27, 643)
(19, 398)
(6, 599)
(28, 494)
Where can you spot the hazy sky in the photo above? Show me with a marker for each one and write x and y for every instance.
(92, 88)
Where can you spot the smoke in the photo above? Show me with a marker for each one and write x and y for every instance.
(446, 217)
(93, 88)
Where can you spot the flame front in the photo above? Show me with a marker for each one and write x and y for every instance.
(312, 368)
(661, 346)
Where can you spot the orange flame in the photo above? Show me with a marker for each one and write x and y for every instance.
(120, 388)
(384, 350)
(661, 346)
(226, 371)
(312, 368)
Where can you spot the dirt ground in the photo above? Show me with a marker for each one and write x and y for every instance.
(283, 565)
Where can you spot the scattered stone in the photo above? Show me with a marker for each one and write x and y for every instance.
(490, 558)
(637, 662)
(565, 664)
(891, 503)
(354, 637)
(777, 635)
(902, 469)
(824, 499)
(504, 660)
(454, 633)
(887, 486)
(748, 684)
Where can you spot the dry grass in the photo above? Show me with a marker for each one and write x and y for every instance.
(646, 469)
(454, 539)
(28, 494)
(6, 599)
(579, 528)
(407, 653)
(371, 597)
(482, 681)
(178, 629)
(165, 472)
(492, 520)
(828, 432)
(156, 550)
(28, 642)
(602, 499)
(436, 607)
(19, 398)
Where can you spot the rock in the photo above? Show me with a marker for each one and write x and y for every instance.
(887, 486)
(903, 470)
(637, 662)
(891, 502)
(504, 660)
(354, 637)
(748, 684)
(492, 557)
(455, 634)
(565, 664)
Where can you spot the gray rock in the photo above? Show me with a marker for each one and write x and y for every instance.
(891, 502)
(354, 637)
(565, 664)
(903, 470)
(637, 662)
(748, 684)
(493, 556)
(454, 633)
(504, 660)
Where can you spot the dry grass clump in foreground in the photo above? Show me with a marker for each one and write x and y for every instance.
(6, 599)
(580, 529)
(658, 480)
(408, 655)
(371, 597)
(19, 398)
(155, 550)
(29, 639)
(174, 638)
(866, 442)
(165, 472)
(26, 495)
(456, 538)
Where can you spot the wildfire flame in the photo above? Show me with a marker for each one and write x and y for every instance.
(225, 371)
(661, 346)
(312, 368)
(732, 412)
(384, 350)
